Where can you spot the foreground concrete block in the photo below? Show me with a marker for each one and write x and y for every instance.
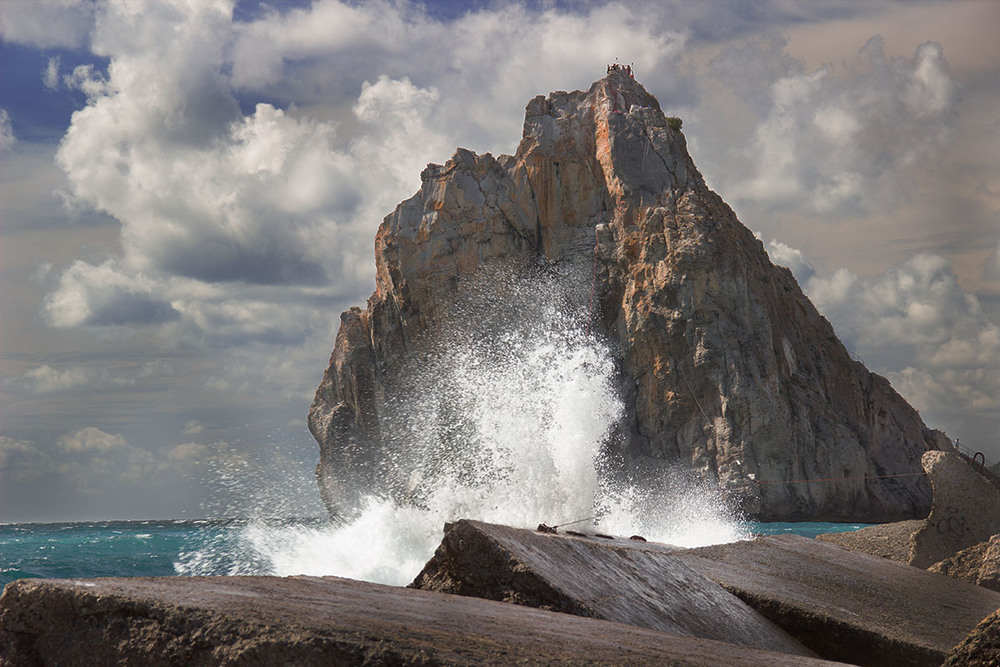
(846, 605)
(966, 510)
(637, 583)
(317, 621)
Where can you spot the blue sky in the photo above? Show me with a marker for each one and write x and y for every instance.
(189, 193)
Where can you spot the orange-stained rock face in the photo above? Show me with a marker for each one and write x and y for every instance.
(726, 367)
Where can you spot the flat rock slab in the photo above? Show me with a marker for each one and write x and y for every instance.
(317, 621)
(846, 605)
(885, 540)
(637, 583)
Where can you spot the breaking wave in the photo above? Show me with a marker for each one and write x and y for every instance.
(513, 421)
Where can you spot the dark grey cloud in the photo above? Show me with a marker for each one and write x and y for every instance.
(123, 308)
(220, 260)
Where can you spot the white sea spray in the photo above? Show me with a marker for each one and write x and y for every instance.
(509, 422)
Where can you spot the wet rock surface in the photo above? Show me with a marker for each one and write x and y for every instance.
(845, 605)
(887, 540)
(318, 621)
(637, 583)
(965, 512)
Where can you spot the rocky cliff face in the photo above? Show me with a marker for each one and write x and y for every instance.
(725, 367)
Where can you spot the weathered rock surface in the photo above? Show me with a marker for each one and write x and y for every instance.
(845, 605)
(978, 463)
(981, 648)
(979, 564)
(317, 621)
(886, 540)
(726, 368)
(637, 583)
(989, 571)
(966, 510)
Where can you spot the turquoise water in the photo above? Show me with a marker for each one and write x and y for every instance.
(127, 549)
(173, 548)
(811, 529)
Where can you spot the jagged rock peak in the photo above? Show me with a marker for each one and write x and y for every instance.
(725, 367)
(617, 93)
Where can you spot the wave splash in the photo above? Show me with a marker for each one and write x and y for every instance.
(511, 423)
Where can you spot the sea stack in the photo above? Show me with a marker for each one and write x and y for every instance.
(725, 368)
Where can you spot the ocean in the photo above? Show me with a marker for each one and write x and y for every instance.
(231, 547)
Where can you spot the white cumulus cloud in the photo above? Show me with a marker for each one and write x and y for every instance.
(91, 439)
(793, 258)
(47, 23)
(273, 204)
(50, 75)
(838, 139)
(242, 223)
(915, 324)
(47, 379)
(189, 451)
(248, 164)
(15, 453)
(917, 306)
(104, 295)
